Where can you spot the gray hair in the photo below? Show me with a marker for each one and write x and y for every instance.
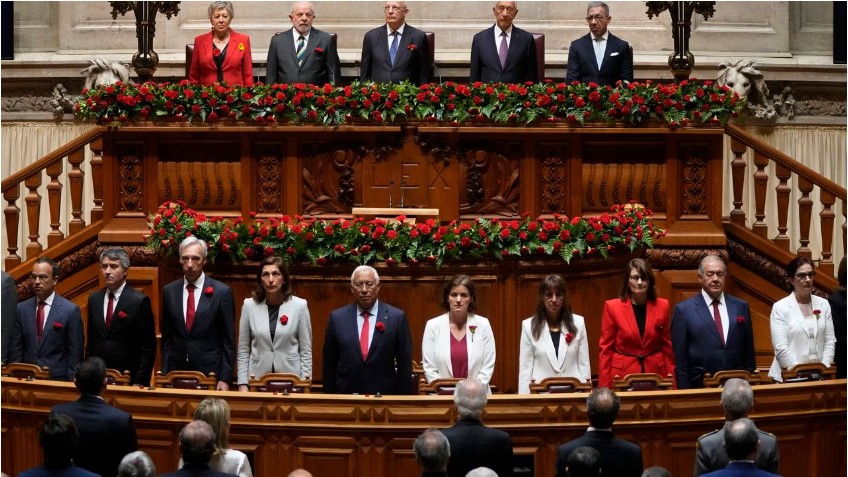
(737, 397)
(656, 471)
(215, 6)
(118, 254)
(295, 4)
(432, 450)
(470, 398)
(192, 240)
(363, 268)
(598, 4)
(708, 259)
(481, 472)
(136, 464)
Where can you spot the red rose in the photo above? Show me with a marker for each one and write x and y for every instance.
(569, 338)
(319, 51)
(284, 319)
(411, 47)
(380, 326)
(122, 315)
(58, 326)
(740, 320)
(208, 291)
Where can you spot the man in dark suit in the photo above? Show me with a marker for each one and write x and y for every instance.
(395, 51)
(48, 328)
(367, 346)
(741, 441)
(432, 452)
(737, 398)
(712, 330)
(197, 444)
(599, 57)
(198, 319)
(584, 462)
(837, 311)
(9, 312)
(303, 54)
(472, 444)
(59, 440)
(121, 330)
(504, 53)
(107, 434)
(618, 457)
(137, 464)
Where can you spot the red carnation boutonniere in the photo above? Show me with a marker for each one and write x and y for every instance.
(58, 326)
(817, 312)
(215, 51)
(569, 338)
(208, 291)
(659, 326)
(319, 51)
(380, 326)
(411, 47)
(471, 328)
(740, 320)
(284, 319)
(122, 315)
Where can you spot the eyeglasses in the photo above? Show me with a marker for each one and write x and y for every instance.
(638, 278)
(804, 276)
(39, 278)
(597, 18)
(361, 285)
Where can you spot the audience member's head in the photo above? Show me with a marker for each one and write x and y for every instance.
(737, 397)
(470, 398)
(136, 464)
(300, 473)
(197, 443)
(583, 462)
(59, 438)
(432, 451)
(656, 471)
(90, 376)
(602, 406)
(741, 439)
(216, 413)
(481, 472)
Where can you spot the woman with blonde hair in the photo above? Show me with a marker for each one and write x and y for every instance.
(216, 413)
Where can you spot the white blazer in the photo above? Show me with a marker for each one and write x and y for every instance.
(291, 351)
(435, 348)
(538, 360)
(789, 338)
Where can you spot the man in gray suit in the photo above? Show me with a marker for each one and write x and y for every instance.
(9, 310)
(737, 398)
(303, 54)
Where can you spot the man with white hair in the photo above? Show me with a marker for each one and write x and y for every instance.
(136, 464)
(473, 444)
(367, 345)
(303, 54)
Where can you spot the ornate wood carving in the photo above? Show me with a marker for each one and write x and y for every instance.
(694, 165)
(553, 179)
(269, 165)
(72, 263)
(131, 176)
(765, 268)
(681, 258)
(201, 185)
(491, 178)
(328, 177)
(606, 184)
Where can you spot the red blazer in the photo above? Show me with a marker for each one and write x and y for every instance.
(619, 334)
(238, 65)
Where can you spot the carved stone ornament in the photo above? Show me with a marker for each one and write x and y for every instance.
(744, 78)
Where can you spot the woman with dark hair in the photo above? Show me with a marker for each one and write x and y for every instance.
(459, 343)
(635, 331)
(837, 310)
(553, 341)
(222, 54)
(275, 331)
(801, 323)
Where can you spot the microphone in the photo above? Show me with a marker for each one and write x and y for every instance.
(402, 188)
(391, 188)
(436, 70)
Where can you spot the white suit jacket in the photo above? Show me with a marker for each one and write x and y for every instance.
(789, 338)
(538, 359)
(291, 351)
(435, 348)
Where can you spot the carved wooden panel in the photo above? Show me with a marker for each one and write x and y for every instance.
(490, 178)
(270, 180)
(328, 177)
(206, 175)
(553, 178)
(694, 159)
(616, 173)
(130, 163)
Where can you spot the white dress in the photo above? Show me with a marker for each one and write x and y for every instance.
(230, 462)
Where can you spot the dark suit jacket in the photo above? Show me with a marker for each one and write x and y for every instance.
(345, 372)
(9, 312)
(698, 347)
(474, 445)
(618, 457)
(130, 343)
(70, 471)
(837, 310)
(412, 62)
(62, 345)
(617, 64)
(711, 455)
(318, 68)
(107, 434)
(520, 61)
(196, 471)
(238, 64)
(209, 347)
(741, 469)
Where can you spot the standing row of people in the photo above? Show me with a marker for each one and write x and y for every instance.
(397, 51)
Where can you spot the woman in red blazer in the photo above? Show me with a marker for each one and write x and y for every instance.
(222, 54)
(635, 329)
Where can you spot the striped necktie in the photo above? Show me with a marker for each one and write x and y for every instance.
(301, 50)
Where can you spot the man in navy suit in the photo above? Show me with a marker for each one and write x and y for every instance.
(712, 330)
(121, 330)
(198, 319)
(741, 442)
(59, 439)
(317, 62)
(367, 346)
(599, 57)
(48, 328)
(197, 444)
(395, 51)
(9, 311)
(504, 53)
(107, 434)
(472, 444)
(618, 457)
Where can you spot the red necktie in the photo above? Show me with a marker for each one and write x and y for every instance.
(110, 308)
(717, 318)
(190, 306)
(39, 321)
(363, 336)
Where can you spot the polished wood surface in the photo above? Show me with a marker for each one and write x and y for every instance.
(372, 436)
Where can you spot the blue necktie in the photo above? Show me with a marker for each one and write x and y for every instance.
(301, 50)
(394, 47)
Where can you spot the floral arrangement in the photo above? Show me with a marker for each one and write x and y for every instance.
(321, 242)
(675, 104)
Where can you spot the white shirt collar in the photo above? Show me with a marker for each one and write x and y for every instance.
(399, 30)
(709, 300)
(198, 284)
(117, 292)
(296, 35)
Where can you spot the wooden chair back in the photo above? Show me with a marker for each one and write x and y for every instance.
(283, 383)
(808, 372)
(440, 387)
(718, 379)
(558, 385)
(186, 380)
(117, 378)
(539, 39)
(25, 371)
(642, 382)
